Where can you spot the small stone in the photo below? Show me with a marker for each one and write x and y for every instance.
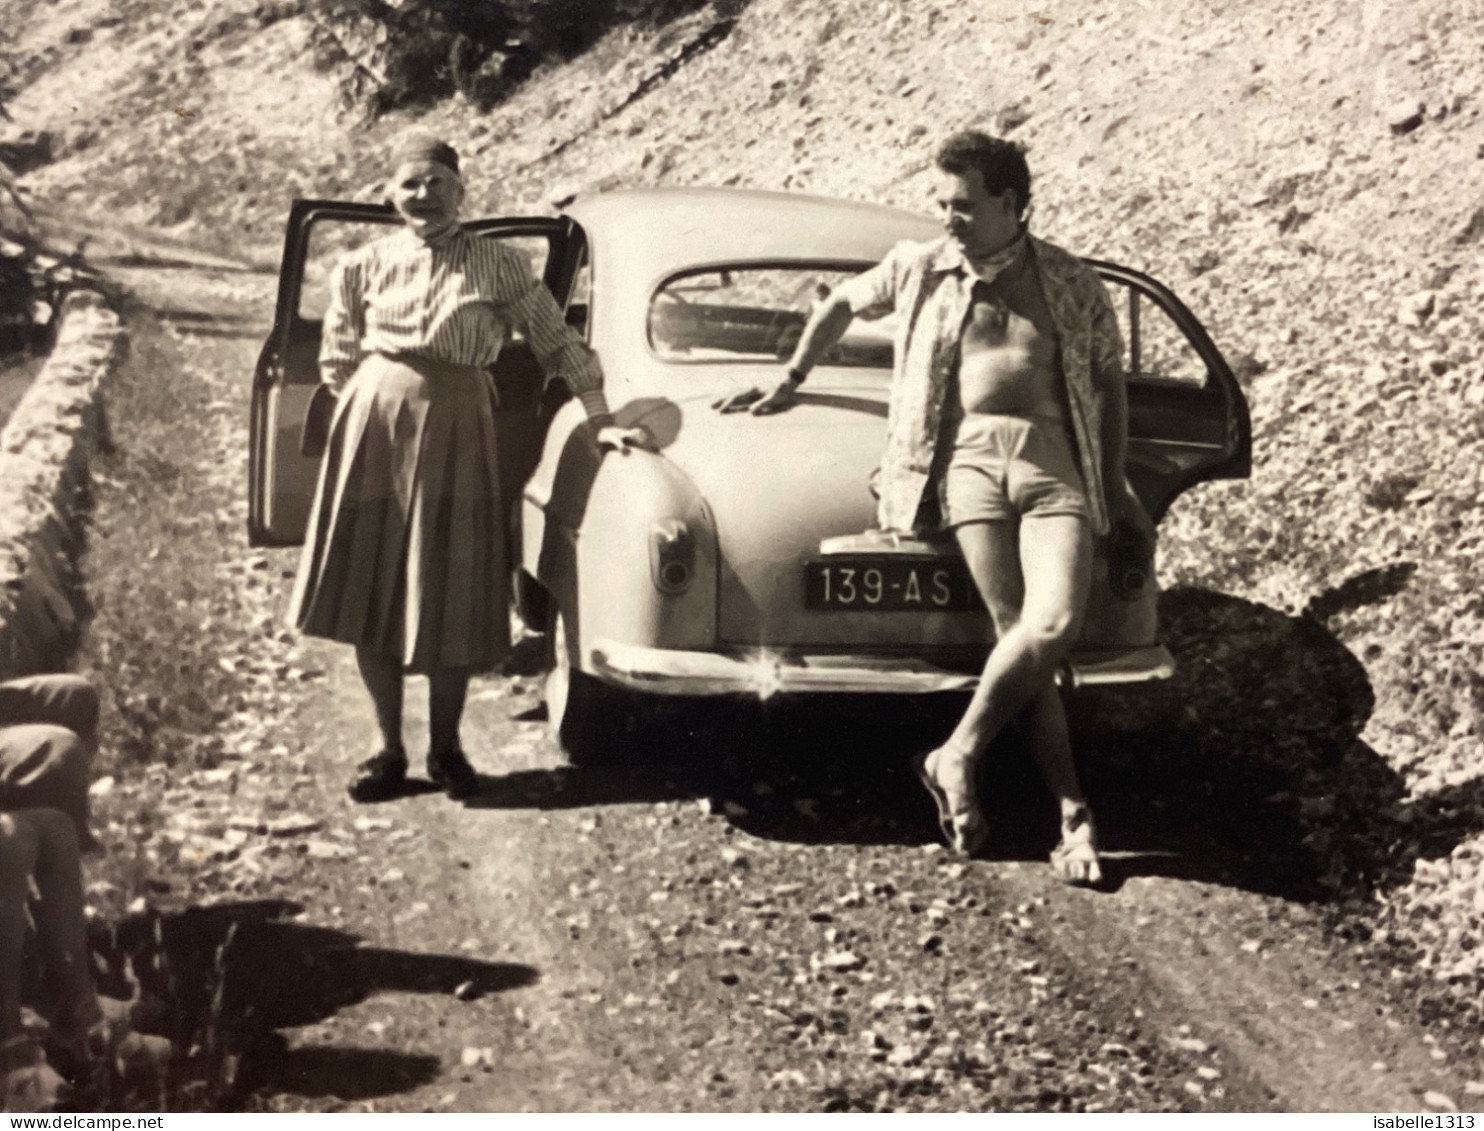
(1438, 1101)
(393, 876)
(1415, 309)
(1206, 1072)
(1405, 115)
(1473, 1088)
(467, 991)
(842, 960)
(1190, 1044)
(735, 858)
(1252, 946)
(371, 824)
(326, 850)
(1194, 1088)
(101, 788)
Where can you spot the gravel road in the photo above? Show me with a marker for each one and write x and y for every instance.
(757, 916)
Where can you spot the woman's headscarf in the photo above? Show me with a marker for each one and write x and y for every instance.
(421, 147)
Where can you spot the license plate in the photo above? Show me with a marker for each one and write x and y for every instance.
(890, 585)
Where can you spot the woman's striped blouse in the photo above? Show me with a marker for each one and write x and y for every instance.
(454, 299)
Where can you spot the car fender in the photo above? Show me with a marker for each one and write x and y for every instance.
(589, 521)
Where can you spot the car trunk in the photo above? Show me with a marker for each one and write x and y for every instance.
(780, 485)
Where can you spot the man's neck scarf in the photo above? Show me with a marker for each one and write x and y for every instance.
(988, 268)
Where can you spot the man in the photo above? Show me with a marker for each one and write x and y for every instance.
(1008, 426)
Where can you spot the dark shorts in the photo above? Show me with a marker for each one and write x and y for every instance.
(1006, 467)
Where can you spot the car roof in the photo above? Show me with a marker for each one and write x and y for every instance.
(640, 237)
(657, 231)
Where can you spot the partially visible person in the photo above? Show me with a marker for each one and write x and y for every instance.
(48, 739)
(91, 1036)
(405, 553)
(1008, 425)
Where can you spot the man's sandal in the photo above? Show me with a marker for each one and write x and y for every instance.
(380, 777)
(959, 817)
(1076, 857)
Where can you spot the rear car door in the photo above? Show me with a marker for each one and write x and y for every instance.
(1188, 417)
(281, 480)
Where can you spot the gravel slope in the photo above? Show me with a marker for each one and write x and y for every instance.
(1310, 178)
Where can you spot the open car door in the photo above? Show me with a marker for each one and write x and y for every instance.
(1188, 417)
(282, 480)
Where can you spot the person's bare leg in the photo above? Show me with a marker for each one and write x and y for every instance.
(1044, 727)
(383, 775)
(447, 765)
(1044, 721)
(60, 928)
(18, 849)
(1033, 577)
(1034, 581)
(447, 689)
(382, 677)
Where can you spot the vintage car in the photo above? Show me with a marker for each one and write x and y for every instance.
(739, 557)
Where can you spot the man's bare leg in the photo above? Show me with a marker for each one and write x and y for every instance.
(1043, 725)
(1034, 581)
(1033, 576)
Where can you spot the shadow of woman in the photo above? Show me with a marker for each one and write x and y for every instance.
(231, 975)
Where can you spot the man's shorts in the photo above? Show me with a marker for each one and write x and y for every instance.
(1005, 467)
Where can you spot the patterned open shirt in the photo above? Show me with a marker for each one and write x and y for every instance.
(930, 287)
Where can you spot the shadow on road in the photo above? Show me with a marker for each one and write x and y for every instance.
(1246, 770)
(232, 975)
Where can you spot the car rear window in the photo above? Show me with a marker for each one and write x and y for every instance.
(754, 312)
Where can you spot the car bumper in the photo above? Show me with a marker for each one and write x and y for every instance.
(662, 671)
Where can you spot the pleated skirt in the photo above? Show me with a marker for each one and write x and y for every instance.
(405, 554)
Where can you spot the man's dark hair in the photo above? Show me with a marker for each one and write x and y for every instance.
(1001, 163)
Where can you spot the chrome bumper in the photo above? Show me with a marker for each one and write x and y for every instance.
(661, 671)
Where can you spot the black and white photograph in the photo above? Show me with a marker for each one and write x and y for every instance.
(742, 556)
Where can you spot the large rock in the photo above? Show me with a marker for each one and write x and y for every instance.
(25, 150)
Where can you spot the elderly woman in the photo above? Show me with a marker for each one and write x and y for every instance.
(405, 552)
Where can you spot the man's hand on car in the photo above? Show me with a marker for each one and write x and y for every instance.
(757, 402)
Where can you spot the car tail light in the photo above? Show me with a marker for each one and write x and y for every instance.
(672, 556)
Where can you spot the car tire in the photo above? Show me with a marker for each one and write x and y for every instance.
(591, 721)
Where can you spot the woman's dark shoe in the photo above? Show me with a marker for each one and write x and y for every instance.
(380, 777)
(451, 772)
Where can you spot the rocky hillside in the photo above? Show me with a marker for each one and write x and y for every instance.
(1308, 176)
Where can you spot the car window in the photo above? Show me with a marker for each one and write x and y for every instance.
(332, 238)
(1156, 351)
(750, 312)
